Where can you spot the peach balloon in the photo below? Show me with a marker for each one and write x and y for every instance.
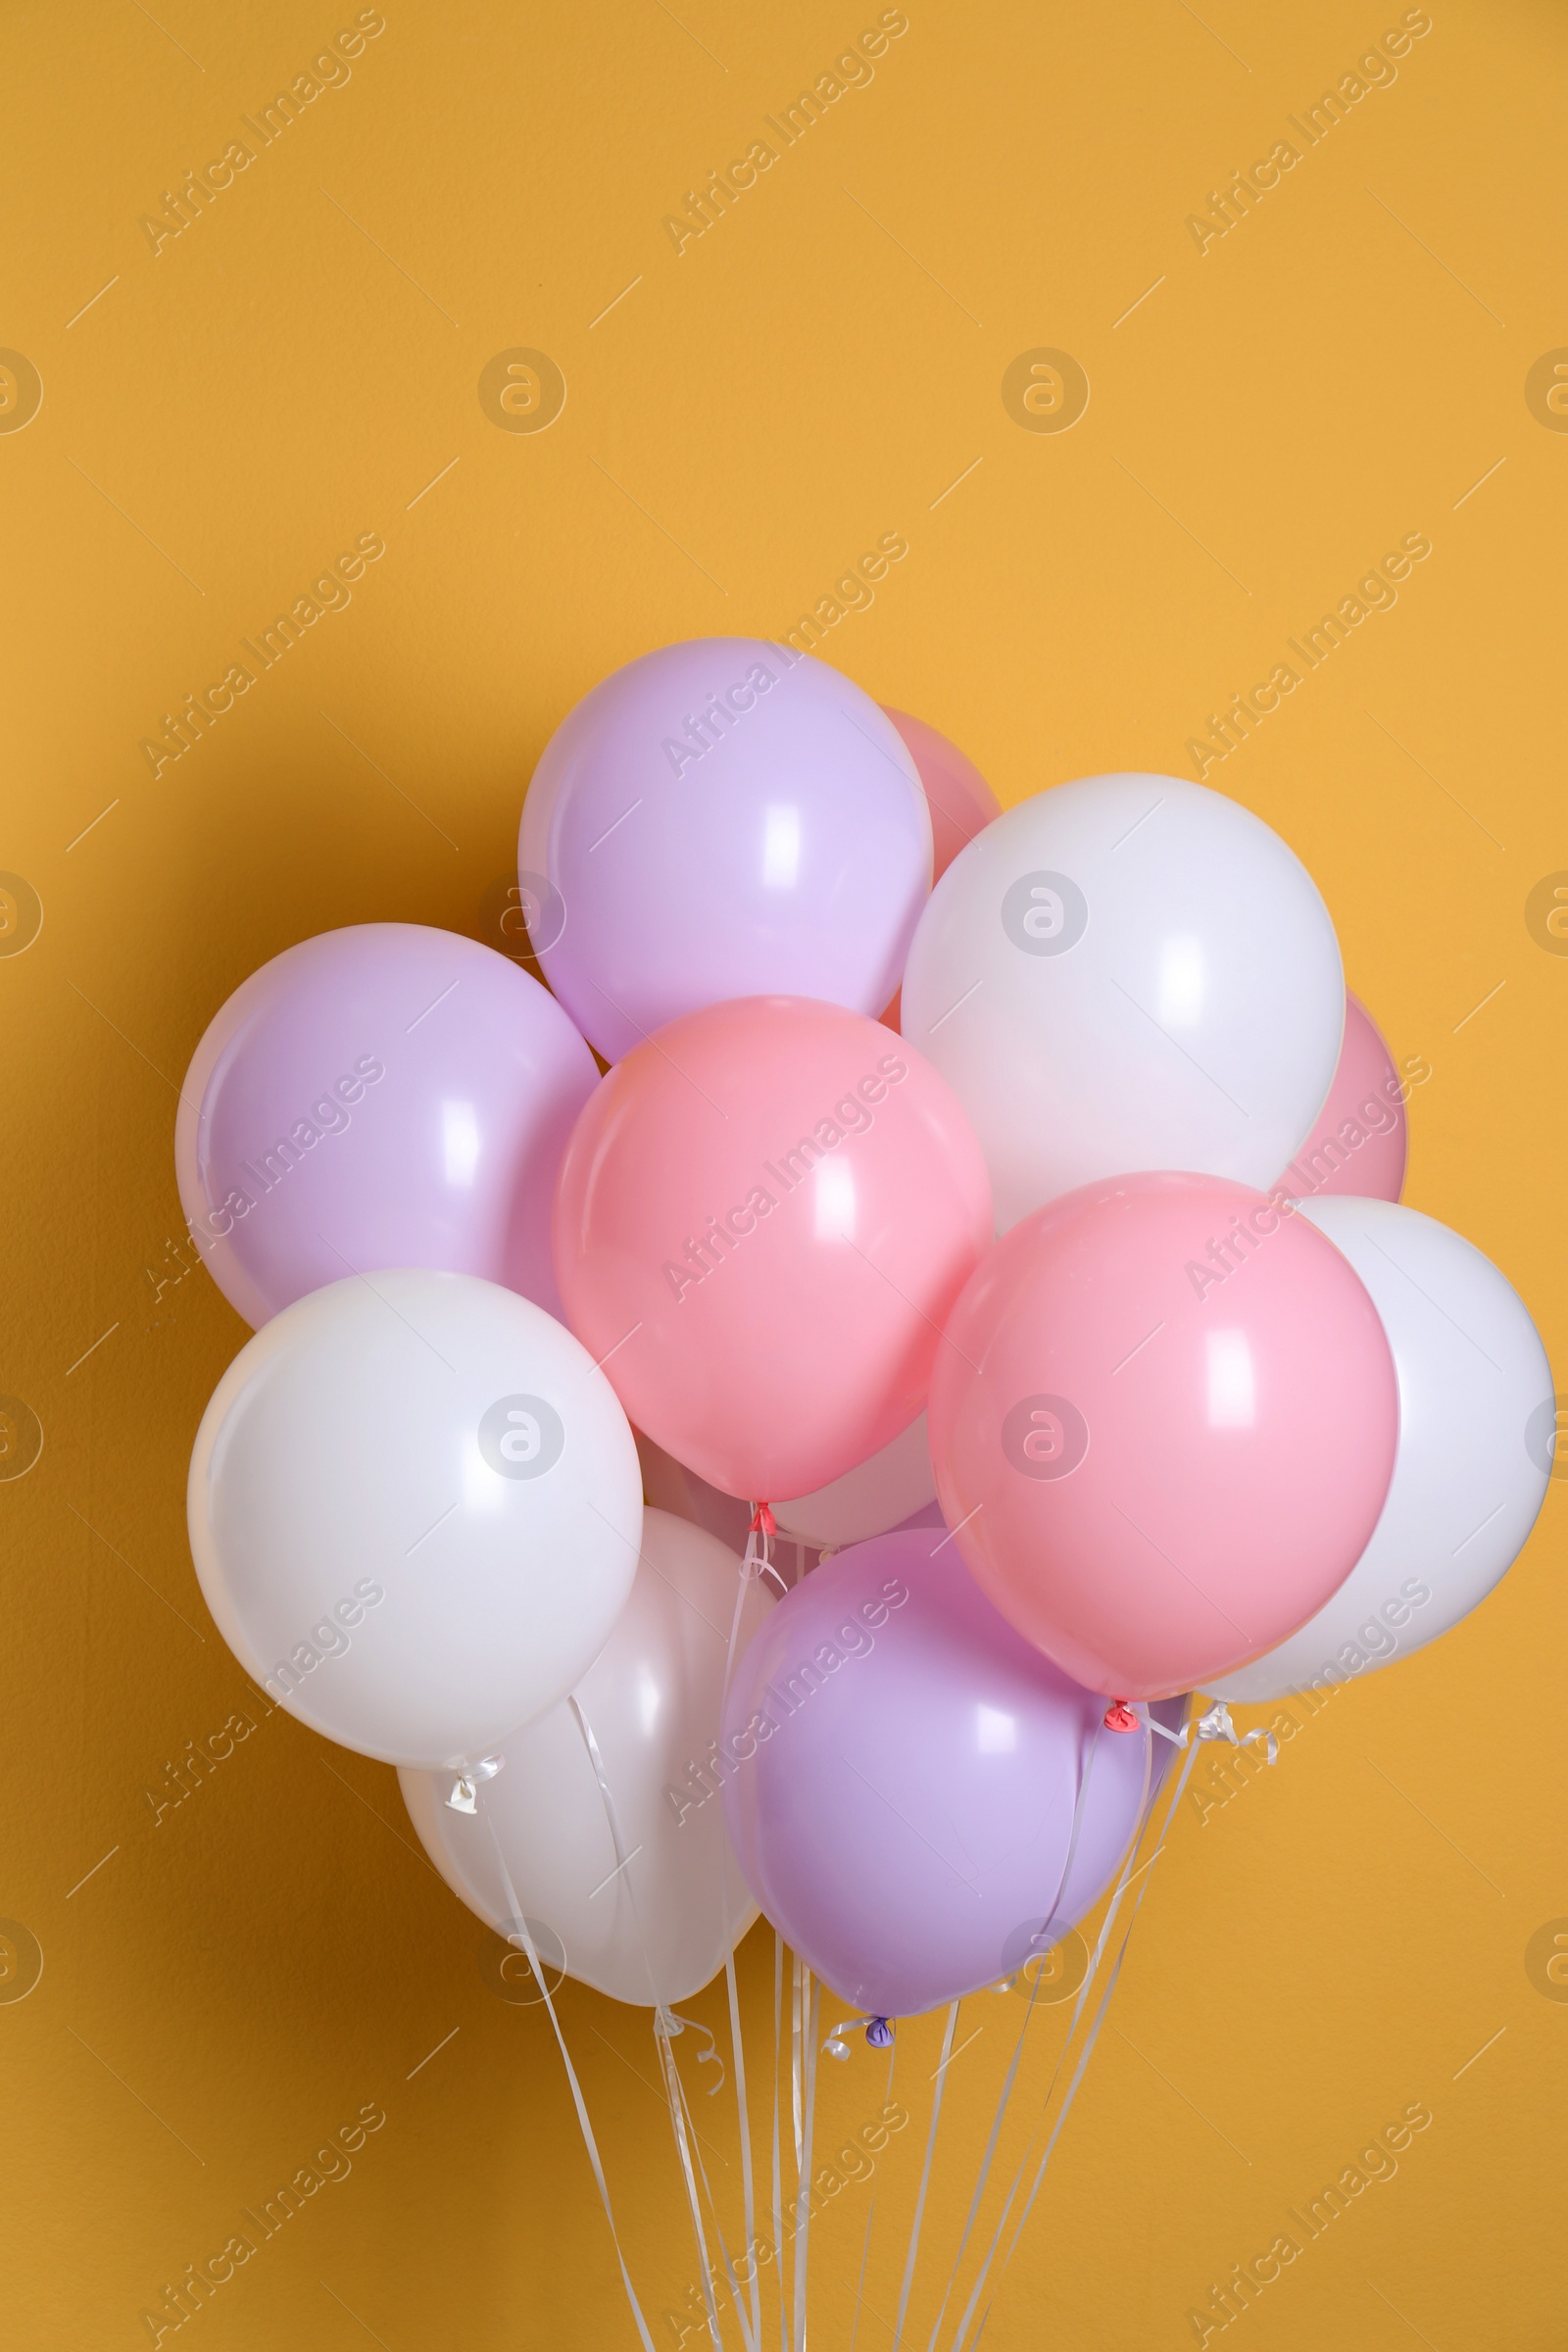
(1361, 1139)
(763, 1217)
(960, 798)
(1163, 1426)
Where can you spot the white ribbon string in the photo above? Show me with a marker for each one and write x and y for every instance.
(926, 2175)
(1217, 1724)
(758, 1557)
(1080, 1802)
(1123, 1881)
(622, 1871)
(515, 1912)
(666, 2023)
(1214, 1724)
(870, 2215)
(798, 1976)
(755, 2339)
(756, 1562)
(678, 2122)
(675, 2024)
(802, 2207)
(778, 2190)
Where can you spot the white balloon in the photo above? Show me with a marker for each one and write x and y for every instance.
(415, 1508)
(1477, 1426)
(880, 1492)
(657, 1929)
(1127, 972)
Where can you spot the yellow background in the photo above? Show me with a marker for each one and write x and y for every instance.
(292, 370)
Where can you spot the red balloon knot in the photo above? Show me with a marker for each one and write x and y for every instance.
(763, 1522)
(1119, 1717)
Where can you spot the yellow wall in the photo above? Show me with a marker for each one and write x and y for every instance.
(219, 418)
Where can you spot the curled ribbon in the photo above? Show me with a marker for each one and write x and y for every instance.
(670, 2023)
(878, 2035)
(1217, 1724)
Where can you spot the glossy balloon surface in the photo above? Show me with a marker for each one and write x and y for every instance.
(1127, 972)
(1361, 1139)
(650, 1919)
(724, 817)
(904, 1771)
(762, 1218)
(960, 798)
(385, 1096)
(1163, 1424)
(414, 1508)
(1477, 1441)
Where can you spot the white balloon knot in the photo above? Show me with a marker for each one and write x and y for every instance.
(464, 1795)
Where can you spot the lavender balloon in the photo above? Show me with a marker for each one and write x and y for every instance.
(385, 1096)
(722, 818)
(900, 1770)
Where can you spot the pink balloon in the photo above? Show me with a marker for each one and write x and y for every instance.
(385, 1096)
(763, 1217)
(957, 795)
(1163, 1426)
(1360, 1141)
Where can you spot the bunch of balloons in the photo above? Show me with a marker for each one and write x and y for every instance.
(1004, 1204)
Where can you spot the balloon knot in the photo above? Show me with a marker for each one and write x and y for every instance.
(763, 1522)
(879, 2034)
(1119, 1717)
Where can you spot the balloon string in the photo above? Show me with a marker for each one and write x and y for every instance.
(1085, 1775)
(613, 1822)
(1125, 1881)
(743, 2117)
(1216, 1724)
(754, 1563)
(677, 2123)
(667, 2023)
(866, 2244)
(750, 2342)
(796, 2004)
(803, 2189)
(926, 2174)
(760, 1537)
(778, 2193)
(675, 2024)
(522, 1931)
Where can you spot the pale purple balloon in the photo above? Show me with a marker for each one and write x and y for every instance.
(724, 817)
(385, 1096)
(905, 1825)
